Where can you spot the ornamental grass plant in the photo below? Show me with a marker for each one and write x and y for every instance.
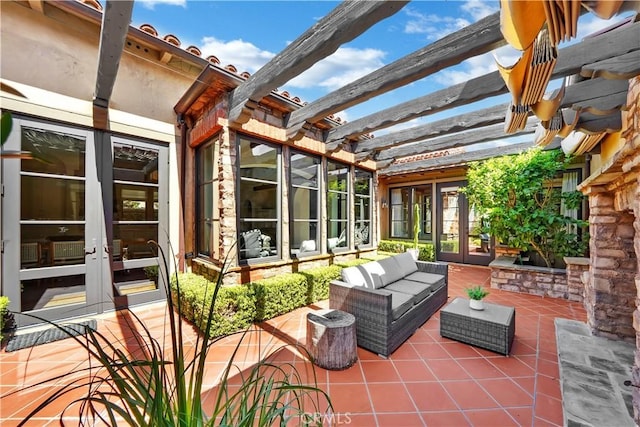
(160, 382)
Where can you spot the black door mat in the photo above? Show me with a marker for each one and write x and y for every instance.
(18, 342)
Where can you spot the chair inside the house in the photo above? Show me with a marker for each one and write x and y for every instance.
(254, 244)
(336, 242)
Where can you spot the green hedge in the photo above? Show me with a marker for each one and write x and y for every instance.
(427, 252)
(4, 308)
(238, 306)
(234, 310)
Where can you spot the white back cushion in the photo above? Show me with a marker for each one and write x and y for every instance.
(391, 269)
(406, 263)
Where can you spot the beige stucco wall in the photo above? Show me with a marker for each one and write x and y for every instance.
(52, 59)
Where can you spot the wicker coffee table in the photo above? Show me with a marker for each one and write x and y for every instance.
(492, 328)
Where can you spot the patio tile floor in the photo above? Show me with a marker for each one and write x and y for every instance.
(429, 380)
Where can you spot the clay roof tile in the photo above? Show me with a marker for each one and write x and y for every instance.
(147, 28)
(194, 50)
(170, 38)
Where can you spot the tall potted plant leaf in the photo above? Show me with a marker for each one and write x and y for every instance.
(161, 384)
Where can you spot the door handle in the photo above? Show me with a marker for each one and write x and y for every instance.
(90, 253)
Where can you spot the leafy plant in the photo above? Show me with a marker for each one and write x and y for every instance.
(4, 311)
(416, 225)
(520, 207)
(476, 292)
(161, 384)
(426, 250)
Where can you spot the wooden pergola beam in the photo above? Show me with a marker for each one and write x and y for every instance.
(570, 61)
(462, 122)
(347, 21)
(454, 160)
(113, 33)
(460, 139)
(478, 38)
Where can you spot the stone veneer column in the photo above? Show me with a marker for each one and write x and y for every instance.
(631, 167)
(227, 196)
(577, 277)
(610, 292)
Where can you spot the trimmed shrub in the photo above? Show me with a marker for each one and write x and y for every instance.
(318, 281)
(4, 310)
(427, 251)
(234, 310)
(278, 295)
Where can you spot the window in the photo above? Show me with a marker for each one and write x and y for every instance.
(400, 212)
(362, 202)
(304, 203)
(258, 199)
(208, 223)
(337, 205)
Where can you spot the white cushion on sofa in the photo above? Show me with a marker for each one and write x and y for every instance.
(359, 276)
(376, 271)
(392, 271)
(407, 263)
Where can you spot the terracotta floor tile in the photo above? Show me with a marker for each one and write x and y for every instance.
(399, 420)
(431, 396)
(469, 395)
(490, 418)
(352, 420)
(512, 367)
(390, 397)
(548, 408)
(549, 386)
(405, 352)
(437, 376)
(447, 370)
(506, 392)
(350, 398)
(431, 351)
(459, 350)
(414, 370)
(523, 416)
(445, 419)
(351, 375)
(379, 371)
(480, 367)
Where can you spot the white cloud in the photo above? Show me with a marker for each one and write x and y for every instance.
(342, 67)
(479, 9)
(433, 26)
(469, 69)
(151, 4)
(243, 55)
(400, 126)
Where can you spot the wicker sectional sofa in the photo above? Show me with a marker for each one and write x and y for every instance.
(390, 299)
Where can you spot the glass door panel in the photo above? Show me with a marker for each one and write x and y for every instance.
(460, 236)
(45, 221)
(450, 220)
(136, 204)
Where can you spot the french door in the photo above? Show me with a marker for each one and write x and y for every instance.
(77, 213)
(458, 230)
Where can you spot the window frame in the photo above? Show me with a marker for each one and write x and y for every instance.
(215, 214)
(356, 197)
(278, 206)
(292, 218)
(347, 198)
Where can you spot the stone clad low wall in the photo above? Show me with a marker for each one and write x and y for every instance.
(541, 281)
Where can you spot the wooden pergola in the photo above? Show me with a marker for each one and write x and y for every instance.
(600, 65)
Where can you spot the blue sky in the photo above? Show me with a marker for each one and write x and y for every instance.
(248, 34)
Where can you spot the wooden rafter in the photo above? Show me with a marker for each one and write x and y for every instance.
(455, 140)
(449, 161)
(480, 37)
(115, 25)
(570, 60)
(347, 21)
